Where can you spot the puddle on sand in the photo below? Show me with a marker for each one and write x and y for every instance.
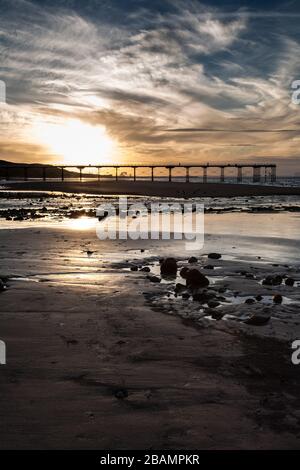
(94, 278)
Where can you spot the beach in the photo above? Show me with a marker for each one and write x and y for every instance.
(101, 357)
(150, 188)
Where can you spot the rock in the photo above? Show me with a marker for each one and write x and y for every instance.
(277, 299)
(289, 282)
(249, 276)
(121, 393)
(145, 269)
(259, 298)
(89, 252)
(179, 288)
(217, 314)
(183, 272)
(2, 286)
(222, 290)
(133, 268)
(250, 301)
(213, 303)
(196, 279)
(259, 319)
(185, 295)
(169, 267)
(272, 281)
(202, 297)
(208, 266)
(214, 256)
(277, 280)
(267, 281)
(193, 259)
(154, 279)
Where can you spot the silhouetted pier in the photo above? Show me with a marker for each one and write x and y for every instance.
(259, 172)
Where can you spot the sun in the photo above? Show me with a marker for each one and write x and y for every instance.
(77, 143)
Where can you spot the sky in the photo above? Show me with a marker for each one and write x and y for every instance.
(150, 81)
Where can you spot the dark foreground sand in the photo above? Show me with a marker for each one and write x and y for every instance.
(148, 188)
(73, 341)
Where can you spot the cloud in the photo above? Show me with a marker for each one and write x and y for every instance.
(211, 76)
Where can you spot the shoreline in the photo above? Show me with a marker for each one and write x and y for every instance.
(149, 188)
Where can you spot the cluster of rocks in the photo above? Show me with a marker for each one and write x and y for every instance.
(21, 214)
(277, 299)
(34, 213)
(196, 285)
(277, 280)
(192, 283)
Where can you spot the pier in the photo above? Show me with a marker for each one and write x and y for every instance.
(259, 173)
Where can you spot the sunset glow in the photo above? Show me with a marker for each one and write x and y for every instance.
(75, 142)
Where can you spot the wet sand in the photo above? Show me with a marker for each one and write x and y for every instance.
(83, 331)
(148, 188)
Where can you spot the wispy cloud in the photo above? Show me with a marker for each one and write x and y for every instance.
(212, 76)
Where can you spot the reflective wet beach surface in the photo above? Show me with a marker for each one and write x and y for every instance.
(56, 206)
(80, 325)
(64, 251)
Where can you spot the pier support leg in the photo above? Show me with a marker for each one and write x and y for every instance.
(222, 174)
(187, 174)
(152, 173)
(134, 173)
(99, 176)
(80, 174)
(273, 175)
(170, 175)
(256, 174)
(62, 174)
(205, 174)
(116, 173)
(240, 174)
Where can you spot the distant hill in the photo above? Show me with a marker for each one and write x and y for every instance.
(35, 170)
(4, 162)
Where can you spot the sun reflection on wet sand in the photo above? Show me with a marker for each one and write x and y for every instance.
(82, 223)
